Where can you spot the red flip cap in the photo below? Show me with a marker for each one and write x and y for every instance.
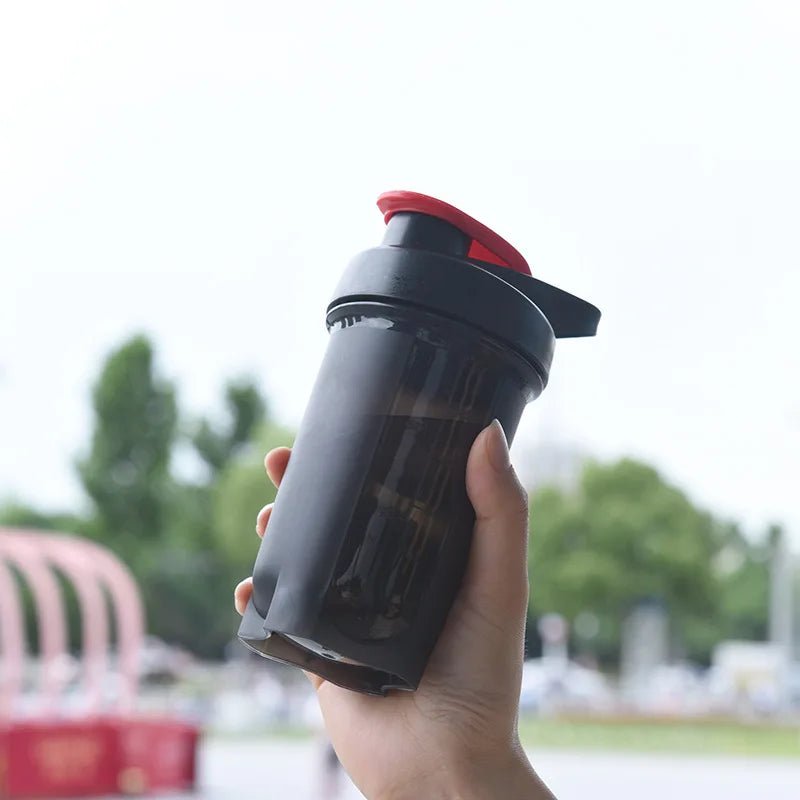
(486, 245)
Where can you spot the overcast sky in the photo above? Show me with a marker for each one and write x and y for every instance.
(202, 172)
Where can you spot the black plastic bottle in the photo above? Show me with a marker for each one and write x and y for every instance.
(433, 335)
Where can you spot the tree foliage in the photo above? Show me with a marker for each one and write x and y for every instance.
(126, 472)
(242, 490)
(217, 444)
(744, 587)
(16, 514)
(626, 535)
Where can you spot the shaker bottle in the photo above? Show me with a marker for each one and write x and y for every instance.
(433, 334)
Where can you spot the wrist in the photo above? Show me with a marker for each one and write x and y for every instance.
(510, 777)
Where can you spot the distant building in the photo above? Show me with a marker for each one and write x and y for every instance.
(546, 452)
(550, 462)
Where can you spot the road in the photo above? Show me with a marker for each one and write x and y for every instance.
(273, 770)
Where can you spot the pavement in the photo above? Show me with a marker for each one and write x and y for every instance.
(268, 769)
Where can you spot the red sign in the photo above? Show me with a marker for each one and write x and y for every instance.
(96, 757)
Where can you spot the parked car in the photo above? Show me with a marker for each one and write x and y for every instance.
(558, 685)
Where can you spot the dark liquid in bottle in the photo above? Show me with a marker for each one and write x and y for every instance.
(413, 500)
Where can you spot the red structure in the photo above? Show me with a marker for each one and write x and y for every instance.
(106, 750)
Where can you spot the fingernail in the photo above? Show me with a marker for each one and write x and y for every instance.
(497, 447)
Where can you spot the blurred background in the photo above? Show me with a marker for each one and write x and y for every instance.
(182, 183)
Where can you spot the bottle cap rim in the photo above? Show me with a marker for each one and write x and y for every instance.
(485, 244)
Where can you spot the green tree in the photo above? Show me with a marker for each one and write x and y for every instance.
(744, 587)
(624, 535)
(126, 472)
(242, 490)
(217, 444)
(212, 546)
(190, 577)
(20, 515)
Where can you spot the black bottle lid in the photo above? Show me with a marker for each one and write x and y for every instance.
(438, 258)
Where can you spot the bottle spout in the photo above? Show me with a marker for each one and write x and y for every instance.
(569, 316)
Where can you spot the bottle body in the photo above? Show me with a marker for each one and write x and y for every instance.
(371, 529)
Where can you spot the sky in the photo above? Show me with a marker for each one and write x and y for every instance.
(202, 172)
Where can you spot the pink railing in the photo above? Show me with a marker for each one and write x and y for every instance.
(94, 572)
(12, 642)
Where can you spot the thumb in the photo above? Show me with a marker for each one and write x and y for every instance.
(497, 573)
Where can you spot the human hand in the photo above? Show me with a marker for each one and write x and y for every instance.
(456, 735)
